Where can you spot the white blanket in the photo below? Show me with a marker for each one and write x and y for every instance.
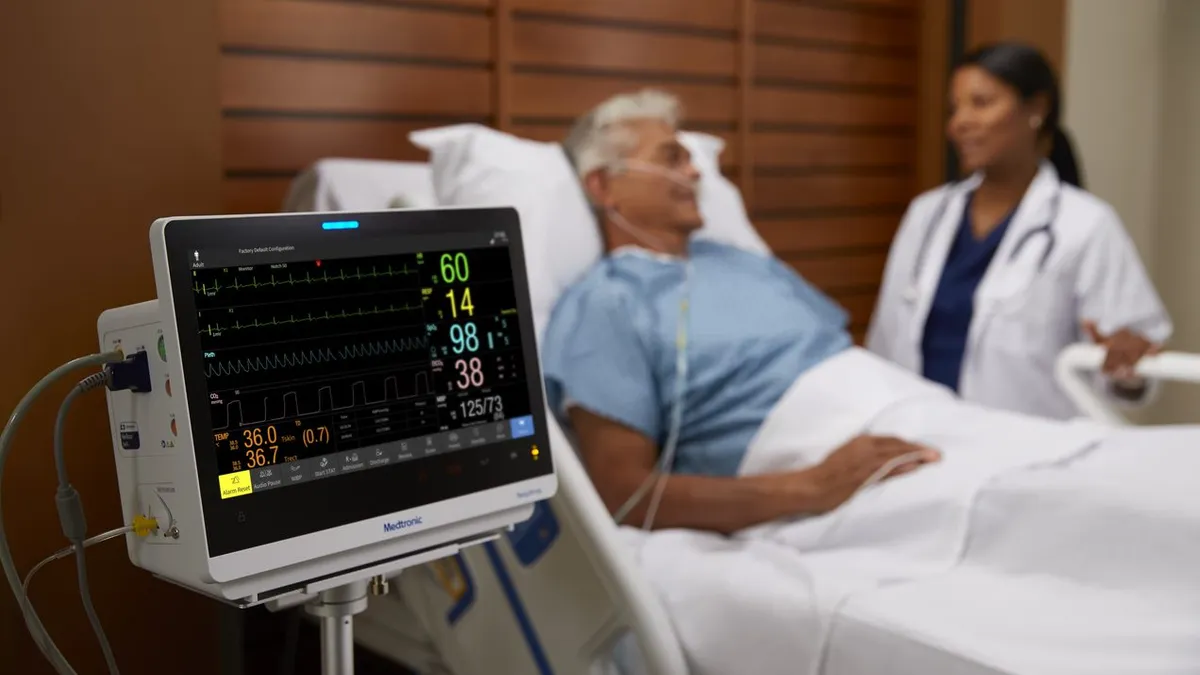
(1017, 503)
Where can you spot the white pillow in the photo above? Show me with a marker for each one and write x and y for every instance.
(361, 185)
(474, 165)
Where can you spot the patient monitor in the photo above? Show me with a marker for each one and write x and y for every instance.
(330, 398)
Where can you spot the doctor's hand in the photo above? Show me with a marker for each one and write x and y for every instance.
(1124, 349)
(846, 469)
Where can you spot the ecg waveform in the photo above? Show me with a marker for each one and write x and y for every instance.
(214, 329)
(234, 415)
(217, 287)
(316, 356)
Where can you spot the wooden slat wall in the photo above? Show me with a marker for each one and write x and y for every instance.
(816, 99)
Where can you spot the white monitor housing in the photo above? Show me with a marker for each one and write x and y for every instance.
(332, 397)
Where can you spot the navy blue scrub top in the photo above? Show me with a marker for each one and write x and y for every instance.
(945, 340)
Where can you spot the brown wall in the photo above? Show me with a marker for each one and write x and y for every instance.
(1040, 22)
(818, 102)
(108, 119)
(934, 62)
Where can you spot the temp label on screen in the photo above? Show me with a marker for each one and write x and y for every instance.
(521, 426)
(236, 484)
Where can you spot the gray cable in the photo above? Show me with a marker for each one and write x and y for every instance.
(85, 594)
(72, 516)
(32, 622)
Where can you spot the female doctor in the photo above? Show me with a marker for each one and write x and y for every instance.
(990, 278)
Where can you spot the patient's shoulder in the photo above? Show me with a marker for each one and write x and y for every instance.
(603, 294)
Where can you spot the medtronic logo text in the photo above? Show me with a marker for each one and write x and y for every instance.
(402, 524)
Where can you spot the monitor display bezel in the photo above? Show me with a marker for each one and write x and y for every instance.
(250, 522)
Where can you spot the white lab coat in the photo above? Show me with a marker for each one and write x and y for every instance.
(1023, 318)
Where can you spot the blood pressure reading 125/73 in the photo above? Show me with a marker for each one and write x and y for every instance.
(317, 368)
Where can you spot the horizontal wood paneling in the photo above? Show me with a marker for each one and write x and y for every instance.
(254, 195)
(825, 66)
(555, 133)
(481, 4)
(281, 83)
(551, 43)
(824, 138)
(776, 105)
(843, 25)
(833, 191)
(282, 144)
(837, 273)
(567, 96)
(710, 14)
(900, 5)
(858, 305)
(808, 235)
(823, 149)
(355, 29)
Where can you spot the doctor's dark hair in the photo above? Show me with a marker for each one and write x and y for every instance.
(1026, 70)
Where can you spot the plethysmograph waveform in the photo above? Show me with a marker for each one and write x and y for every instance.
(317, 356)
(290, 406)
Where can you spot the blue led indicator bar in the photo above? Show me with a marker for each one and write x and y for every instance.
(340, 225)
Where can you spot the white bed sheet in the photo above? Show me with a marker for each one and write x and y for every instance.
(864, 643)
(1053, 518)
(1111, 588)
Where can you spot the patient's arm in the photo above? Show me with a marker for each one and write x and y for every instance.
(619, 460)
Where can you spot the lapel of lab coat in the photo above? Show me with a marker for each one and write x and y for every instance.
(931, 261)
(1005, 277)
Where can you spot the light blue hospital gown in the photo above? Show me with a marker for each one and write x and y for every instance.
(754, 326)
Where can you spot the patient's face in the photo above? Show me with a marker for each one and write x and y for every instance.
(646, 197)
(989, 123)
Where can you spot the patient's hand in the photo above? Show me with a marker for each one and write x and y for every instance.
(848, 467)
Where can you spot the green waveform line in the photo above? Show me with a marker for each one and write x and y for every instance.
(316, 356)
(211, 330)
(217, 287)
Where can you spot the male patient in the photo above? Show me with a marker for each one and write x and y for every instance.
(611, 356)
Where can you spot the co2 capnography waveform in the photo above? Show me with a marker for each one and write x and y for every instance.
(316, 356)
(347, 394)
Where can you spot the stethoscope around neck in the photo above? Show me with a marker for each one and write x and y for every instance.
(912, 293)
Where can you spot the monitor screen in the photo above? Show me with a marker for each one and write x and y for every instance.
(353, 368)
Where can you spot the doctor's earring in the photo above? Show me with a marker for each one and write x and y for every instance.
(1035, 123)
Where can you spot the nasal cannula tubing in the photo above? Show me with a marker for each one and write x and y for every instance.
(658, 477)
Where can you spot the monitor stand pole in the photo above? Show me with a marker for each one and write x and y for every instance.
(336, 607)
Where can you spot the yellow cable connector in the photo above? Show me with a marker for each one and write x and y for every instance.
(144, 525)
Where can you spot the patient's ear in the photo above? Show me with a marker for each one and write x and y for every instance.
(595, 184)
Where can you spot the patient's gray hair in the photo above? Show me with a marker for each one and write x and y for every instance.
(601, 137)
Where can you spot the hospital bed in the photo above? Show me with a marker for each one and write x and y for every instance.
(562, 593)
